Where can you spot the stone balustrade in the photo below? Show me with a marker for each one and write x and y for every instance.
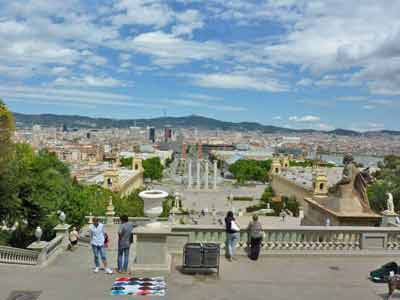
(10, 255)
(38, 253)
(116, 220)
(53, 246)
(304, 239)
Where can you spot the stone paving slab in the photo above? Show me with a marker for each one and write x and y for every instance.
(308, 278)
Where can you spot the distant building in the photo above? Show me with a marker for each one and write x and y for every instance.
(168, 134)
(152, 134)
(118, 180)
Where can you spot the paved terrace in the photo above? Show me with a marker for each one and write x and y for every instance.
(305, 277)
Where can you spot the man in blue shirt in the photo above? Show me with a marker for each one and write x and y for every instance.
(97, 238)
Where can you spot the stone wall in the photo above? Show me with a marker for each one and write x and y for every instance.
(285, 187)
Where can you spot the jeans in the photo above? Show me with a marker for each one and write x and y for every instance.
(123, 259)
(98, 252)
(231, 240)
(255, 247)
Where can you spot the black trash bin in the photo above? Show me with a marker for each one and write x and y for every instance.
(210, 255)
(192, 256)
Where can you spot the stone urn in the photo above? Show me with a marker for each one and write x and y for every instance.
(152, 200)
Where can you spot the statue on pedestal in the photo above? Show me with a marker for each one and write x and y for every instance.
(389, 205)
(354, 182)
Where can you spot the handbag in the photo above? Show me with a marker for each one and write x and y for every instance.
(234, 226)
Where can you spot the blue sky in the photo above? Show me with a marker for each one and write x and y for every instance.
(293, 63)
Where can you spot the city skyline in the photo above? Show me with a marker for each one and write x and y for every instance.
(320, 65)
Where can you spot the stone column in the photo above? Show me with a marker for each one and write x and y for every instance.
(198, 175)
(215, 174)
(206, 175)
(190, 174)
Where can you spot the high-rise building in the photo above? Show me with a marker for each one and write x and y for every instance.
(152, 134)
(167, 134)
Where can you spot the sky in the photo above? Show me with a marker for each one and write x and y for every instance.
(293, 63)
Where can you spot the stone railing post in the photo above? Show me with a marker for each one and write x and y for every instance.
(63, 230)
(41, 248)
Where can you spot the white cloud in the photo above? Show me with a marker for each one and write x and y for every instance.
(304, 82)
(304, 119)
(238, 81)
(89, 81)
(167, 49)
(142, 12)
(187, 22)
(201, 97)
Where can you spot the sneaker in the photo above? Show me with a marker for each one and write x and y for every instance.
(96, 270)
(108, 271)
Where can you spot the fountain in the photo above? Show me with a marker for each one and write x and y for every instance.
(152, 200)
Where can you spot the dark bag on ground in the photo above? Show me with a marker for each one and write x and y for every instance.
(381, 275)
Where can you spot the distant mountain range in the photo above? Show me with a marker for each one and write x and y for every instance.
(51, 120)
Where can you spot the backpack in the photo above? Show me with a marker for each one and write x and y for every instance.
(381, 274)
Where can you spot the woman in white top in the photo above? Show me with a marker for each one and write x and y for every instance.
(97, 238)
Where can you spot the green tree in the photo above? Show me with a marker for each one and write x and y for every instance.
(131, 205)
(387, 180)
(244, 170)
(7, 127)
(126, 162)
(153, 168)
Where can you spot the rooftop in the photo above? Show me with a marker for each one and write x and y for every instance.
(303, 176)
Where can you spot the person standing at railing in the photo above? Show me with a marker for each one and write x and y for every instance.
(232, 230)
(255, 232)
(73, 238)
(125, 239)
(97, 239)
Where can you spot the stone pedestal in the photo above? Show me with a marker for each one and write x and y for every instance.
(152, 257)
(387, 218)
(63, 230)
(41, 248)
